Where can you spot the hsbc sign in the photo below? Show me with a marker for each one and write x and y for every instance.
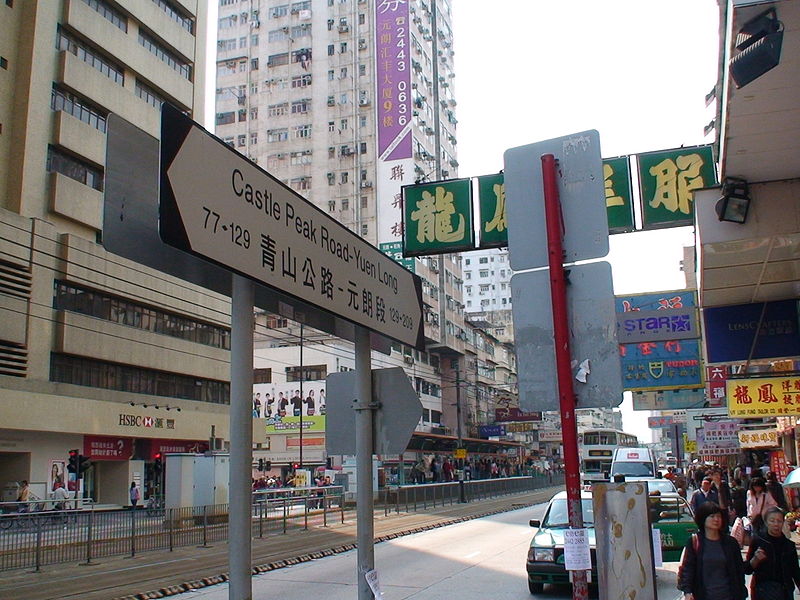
(126, 420)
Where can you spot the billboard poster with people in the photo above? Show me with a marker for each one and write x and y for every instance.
(283, 405)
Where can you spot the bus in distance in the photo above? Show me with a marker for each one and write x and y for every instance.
(596, 447)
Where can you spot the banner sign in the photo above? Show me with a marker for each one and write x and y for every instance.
(515, 414)
(654, 325)
(778, 465)
(732, 332)
(713, 448)
(721, 433)
(673, 399)
(763, 396)
(675, 299)
(758, 438)
(665, 421)
(394, 250)
(394, 80)
(520, 427)
(619, 195)
(487, 431)
(282, 405)
(666, 181)
(100, 447)
(437, 218)
(492, 201)
(550, 435)
(161, 447)
(661, 365)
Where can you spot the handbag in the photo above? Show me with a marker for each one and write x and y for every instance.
(769, 590)
(738, 532)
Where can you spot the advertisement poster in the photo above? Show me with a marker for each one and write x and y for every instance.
(661, 365)
(283, 406)
(58, 474)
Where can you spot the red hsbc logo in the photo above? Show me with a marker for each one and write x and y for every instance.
(147, 421)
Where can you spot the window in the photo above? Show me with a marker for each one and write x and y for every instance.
(241, 140)
(278, 11)
(364, 202)
(278, 35)
(277, 135)
(331, 178)
(309, 373)
(466, 261)
(77, 107)
(116, 17)
(165, 55)
(302, 131)
(331, 50)
(330, 75)
(483, 273)
(226, 118)
(276, 60)
(345, 204)
(362, 70)
(331, 126)
(254, 39)
(364, 229)
(343, 124)
(254, 64)
(254, 112)
(125, 378)
(242, 115)
(301, 106)
(262, 375)
(483, 260)
(468, 275)
(362, 122)
(363, 147)
(276, 110)
(74, 168)
(89, 56)
(254, 138)
(331, 205)
(300, 81)
(344, 177)
(343, 99)
(343, 47)
(301, 158)
(300, 184)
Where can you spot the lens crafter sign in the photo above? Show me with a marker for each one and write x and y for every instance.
(218, 205)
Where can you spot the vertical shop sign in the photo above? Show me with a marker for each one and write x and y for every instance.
(393, 109)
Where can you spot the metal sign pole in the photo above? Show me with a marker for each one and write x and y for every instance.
(566, 394)
(241, 432)
(364, 407)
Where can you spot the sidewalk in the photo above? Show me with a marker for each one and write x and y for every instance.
(160, 574)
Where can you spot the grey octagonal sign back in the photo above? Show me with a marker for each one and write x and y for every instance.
(582, 195)
(593, 338)
(395, 420)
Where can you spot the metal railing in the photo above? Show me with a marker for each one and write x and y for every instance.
(420, 496)
(33, 535)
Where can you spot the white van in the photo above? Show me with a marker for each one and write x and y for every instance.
(633, 463)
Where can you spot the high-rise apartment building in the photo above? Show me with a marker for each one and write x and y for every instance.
(97, 353)
(487, 281)
(345, 101)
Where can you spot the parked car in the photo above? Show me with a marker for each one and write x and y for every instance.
(545, 563)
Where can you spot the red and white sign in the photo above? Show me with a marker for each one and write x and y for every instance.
(100, 447)
(715, 384)
(162, 447)
(632, 455)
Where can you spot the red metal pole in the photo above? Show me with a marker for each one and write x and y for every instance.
(566, 394)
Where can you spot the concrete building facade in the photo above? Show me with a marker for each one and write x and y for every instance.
(97, 353)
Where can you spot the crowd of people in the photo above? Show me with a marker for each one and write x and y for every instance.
(736, 509)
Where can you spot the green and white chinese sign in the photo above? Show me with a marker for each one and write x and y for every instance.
(394, 250)
(492, 202)
(667, 180)
(619, 197)
(437, 218)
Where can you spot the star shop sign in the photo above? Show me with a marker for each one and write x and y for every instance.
(437, 218)
(666, 181)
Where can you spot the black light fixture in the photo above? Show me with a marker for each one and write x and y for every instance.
(758, 48)
(734, 202)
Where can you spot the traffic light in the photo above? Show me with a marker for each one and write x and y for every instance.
(267, 465)
(72, 465)
(261, 464)
(295, 466)
(158, 465)
(84, 462)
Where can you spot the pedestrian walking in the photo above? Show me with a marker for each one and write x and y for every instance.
(711, 565)
(758, 502)
(775, 489)
(772, 559)
(134, 494)
(706, 493)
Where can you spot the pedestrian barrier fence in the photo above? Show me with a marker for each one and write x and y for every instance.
(33, 534)
(415, 497)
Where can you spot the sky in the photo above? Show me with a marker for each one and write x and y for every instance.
(637, 71)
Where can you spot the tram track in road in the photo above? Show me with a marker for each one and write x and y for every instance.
(160, 574)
